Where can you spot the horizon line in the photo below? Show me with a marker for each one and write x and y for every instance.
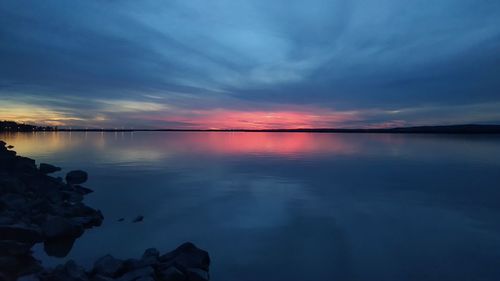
(456, 128)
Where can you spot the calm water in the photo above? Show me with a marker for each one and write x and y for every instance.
(291, 206)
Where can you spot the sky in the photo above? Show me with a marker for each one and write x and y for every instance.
(250, 64)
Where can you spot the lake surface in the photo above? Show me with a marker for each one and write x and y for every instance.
(290, 206)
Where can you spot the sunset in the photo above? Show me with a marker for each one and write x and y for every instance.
(186, 64)
(249, 140)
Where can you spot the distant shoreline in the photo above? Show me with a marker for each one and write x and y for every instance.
(452, 129)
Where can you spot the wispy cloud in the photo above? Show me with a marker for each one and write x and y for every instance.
(390, 61)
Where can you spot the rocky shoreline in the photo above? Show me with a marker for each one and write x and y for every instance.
(38, 208)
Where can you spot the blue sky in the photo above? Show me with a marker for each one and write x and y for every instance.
(252, 64)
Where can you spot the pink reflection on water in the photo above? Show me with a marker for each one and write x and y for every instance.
(262, 143)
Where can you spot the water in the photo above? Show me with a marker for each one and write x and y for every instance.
(291, 206)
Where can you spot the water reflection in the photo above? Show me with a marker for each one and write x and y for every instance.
(291, 206)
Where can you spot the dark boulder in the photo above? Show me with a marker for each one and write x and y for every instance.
(59, 227)
(171, 273)
(136, 274)
(20, 233)
(188, 256)
(108, 266)
(31, 277)
(25, 164)
(11, 184)
(76, 177)
(67, 272)
(59, 247)
(151, 252)
(15, 248)
(138, 219)
(82, 190)
(47, 168)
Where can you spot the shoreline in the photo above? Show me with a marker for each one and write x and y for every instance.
(440, 129)
(38, 208)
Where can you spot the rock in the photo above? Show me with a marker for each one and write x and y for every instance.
(136, 274)
(14, 248)
(10, 146)
(151, 252)
(20, 233)
(108, 266)
(133, 264)
(68, 272)
(188, 256)
(101, 278)
(82, 190)
(171, 274)
(72, 196)
(47, 168)
(31, 277)
(197, 274)
(76, 177)
(146, 278)
(19, 265)
(121, 219)
(59, 227)
(14, 201)
(138, 219)
(75, 271)
(58, 247)
(7, 262)
(89, 221)
(25, 164)
(9, 184)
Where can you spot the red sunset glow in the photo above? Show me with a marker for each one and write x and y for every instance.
(261, 120)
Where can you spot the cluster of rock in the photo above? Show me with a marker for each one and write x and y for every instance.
(186, 263)
(38, 208)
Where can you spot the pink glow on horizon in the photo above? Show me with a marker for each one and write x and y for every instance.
(231, 119)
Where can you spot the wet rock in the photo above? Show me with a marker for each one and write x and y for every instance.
(47, 168)
(82, 190)
(76, 177)
(196, 274)
(20, 233)
(10, 184)
(151, 252)
(31, 277)
(138, 219)
(136, 274)
(59, 227)
(14, 201)
(101, 278)
(171, 274)
(89, 221)
(25, 164)
(146, 278)
(72, 196)
(14, 248)
(59, 248)
(19, 265)
(68, 272)
(108, 266)
(10, 146)
(134, 264)
(189, 256)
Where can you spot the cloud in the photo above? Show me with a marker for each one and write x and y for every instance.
(129, 60)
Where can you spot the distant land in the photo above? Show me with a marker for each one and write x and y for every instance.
(12, 126)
